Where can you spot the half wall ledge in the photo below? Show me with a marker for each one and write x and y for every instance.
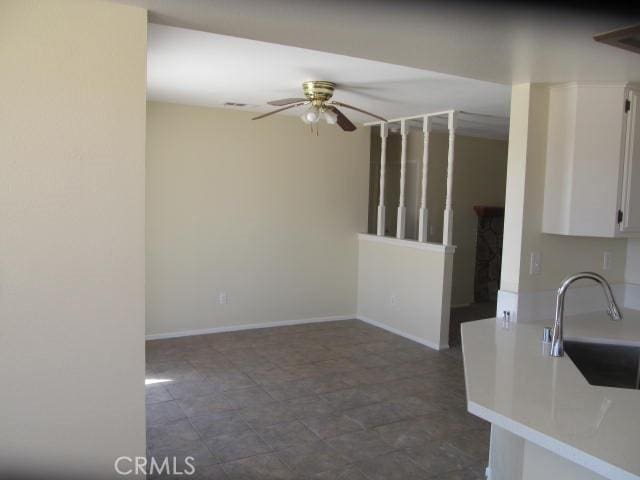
(435, 247)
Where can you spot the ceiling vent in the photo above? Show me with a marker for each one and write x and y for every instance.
(234, 104)
(627, 38)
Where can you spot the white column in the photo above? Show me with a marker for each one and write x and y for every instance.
(383, 166)
(423, 226)
(402, 210)
(447, 228)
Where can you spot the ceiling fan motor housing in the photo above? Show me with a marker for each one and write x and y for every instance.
(318, 91)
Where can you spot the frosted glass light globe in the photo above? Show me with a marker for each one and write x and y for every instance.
(312, 116)
(330, 117)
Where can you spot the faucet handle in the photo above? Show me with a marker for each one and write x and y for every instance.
(506, 319)
(547, 333)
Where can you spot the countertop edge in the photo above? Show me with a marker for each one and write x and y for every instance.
(554, 445)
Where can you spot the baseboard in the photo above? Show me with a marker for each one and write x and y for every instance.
(248, 326)
(426, 343)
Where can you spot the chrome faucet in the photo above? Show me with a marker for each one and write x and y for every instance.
(557, 342)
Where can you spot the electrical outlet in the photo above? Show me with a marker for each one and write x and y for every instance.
(607, 260)
(535, 265)
(393, 300)
(223, 299)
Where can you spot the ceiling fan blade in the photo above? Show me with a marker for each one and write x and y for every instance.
(340, 104)
(344, 123)
(285, 101)
(278, 110)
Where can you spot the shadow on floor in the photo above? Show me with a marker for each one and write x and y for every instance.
(459, 315)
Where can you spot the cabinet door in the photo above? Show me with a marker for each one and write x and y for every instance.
(630, 203)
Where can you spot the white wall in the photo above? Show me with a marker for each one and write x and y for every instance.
(72, 126)
(263, 211)
(561, 255)
(405, 286)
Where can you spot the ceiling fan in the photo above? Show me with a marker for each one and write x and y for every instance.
(318, 95)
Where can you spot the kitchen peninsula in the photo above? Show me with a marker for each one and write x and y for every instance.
(547, 420)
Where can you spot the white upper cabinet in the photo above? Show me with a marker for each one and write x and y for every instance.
(592, 176)
(630, 202)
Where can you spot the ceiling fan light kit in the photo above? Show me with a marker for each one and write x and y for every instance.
(330, 117)
(311, 116)
(315, 114)
(318, 95)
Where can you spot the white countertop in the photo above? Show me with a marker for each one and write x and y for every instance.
(513, 384)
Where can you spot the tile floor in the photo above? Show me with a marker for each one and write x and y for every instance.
(338, 400)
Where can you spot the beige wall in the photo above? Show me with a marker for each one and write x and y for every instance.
(541, 462)
(405, 288)
(561, 255)
(515, 189)
(265, 212)
(632, 266)
(479, 179)
(72, 126)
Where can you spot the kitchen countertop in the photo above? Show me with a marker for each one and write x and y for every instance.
(513, 384)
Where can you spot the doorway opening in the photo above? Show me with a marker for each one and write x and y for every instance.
(488, 262)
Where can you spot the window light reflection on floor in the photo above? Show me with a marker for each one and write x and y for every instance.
(153, 381)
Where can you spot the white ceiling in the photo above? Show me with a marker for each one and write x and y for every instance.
(501, 41)
(200, 68)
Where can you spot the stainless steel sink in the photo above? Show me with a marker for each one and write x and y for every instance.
(606, 365)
